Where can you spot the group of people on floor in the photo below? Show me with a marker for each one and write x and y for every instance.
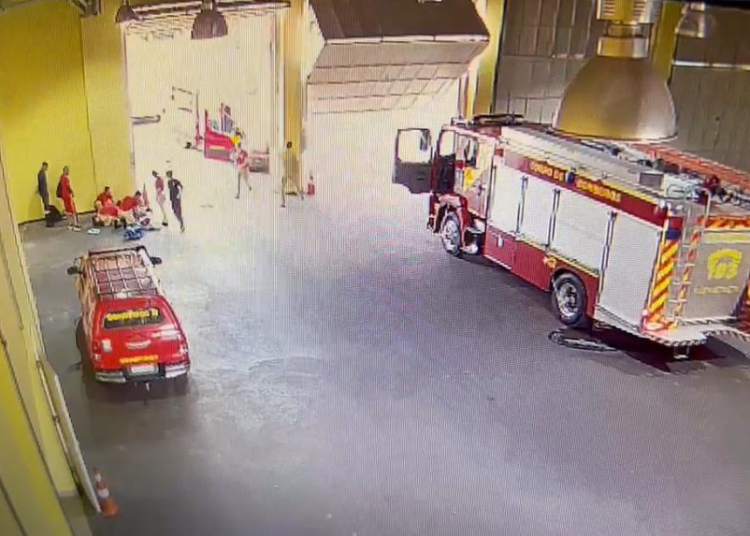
(129, 211)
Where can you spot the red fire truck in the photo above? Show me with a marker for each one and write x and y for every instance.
(649, 240)
(131, 330)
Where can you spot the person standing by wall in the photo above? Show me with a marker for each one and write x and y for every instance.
(288, 170)
(175, 196)
(41, 188)
(161, 197)
(65, 191)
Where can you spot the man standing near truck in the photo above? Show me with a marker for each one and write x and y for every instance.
(242, 162)
(175, 196)
(160, 196)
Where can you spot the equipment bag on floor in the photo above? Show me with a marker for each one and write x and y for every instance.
(133, 232)
(52, 216)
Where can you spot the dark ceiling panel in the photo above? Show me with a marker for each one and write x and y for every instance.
(352, 19)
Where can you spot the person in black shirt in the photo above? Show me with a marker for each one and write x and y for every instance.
(41, 187)
(175, 196)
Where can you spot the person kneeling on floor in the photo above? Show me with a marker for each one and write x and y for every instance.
(134, 210)
(107, 214)
(103, 197)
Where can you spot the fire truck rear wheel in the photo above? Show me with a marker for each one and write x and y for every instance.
(450, 232)
(569, 300)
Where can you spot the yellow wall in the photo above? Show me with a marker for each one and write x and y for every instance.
(20, 330)
(291, 50)
(22, 473)
(43, 112)
(33, 468)
(8, 523)
(109, 119)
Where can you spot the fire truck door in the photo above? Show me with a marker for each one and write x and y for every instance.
(413, 159)
(444, 165)
(477, 171)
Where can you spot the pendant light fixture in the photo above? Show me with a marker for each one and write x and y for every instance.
(618, 94)
(126, 14)
(695, 21)
(209, 23)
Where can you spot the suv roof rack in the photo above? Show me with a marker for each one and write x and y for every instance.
(122, 273)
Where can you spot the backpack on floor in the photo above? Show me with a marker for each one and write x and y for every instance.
(52, 216)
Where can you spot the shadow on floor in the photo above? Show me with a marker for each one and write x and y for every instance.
(603, 341)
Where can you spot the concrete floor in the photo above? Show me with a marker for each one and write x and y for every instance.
(350, 378)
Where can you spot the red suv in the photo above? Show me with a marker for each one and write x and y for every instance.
(132, 332)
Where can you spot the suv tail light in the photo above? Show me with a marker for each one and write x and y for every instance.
(171, 335)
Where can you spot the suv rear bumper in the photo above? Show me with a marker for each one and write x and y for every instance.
(166, 371)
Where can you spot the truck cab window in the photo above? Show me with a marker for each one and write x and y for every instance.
(467, 151)
(447, 146)
(471, 157)
(414, 147)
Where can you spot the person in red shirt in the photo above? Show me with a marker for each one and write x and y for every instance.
(68, 197)
(242, 161)
(103, 197)
(127, 203)
(107, 214)
(161, 196)
(133, 209)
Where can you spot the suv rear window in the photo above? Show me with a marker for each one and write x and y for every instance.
(132, 318)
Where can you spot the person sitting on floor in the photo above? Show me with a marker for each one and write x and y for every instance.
(107, 214)
(134, 210)
(126, 206)
(103, 197)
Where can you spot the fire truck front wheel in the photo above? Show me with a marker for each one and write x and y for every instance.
(569, 300)
(450, 232)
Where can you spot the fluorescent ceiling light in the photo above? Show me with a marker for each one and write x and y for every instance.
(695, 22)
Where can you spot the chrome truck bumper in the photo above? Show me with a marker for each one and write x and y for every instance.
(121, 376)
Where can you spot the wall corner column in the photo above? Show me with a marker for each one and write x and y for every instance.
(294, 88)
(105, 81)
(665, 38)
(481, 99)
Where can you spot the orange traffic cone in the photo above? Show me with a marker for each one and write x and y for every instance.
(106, 502)
(311, 187)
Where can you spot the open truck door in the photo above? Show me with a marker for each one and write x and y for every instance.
(413, 159)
